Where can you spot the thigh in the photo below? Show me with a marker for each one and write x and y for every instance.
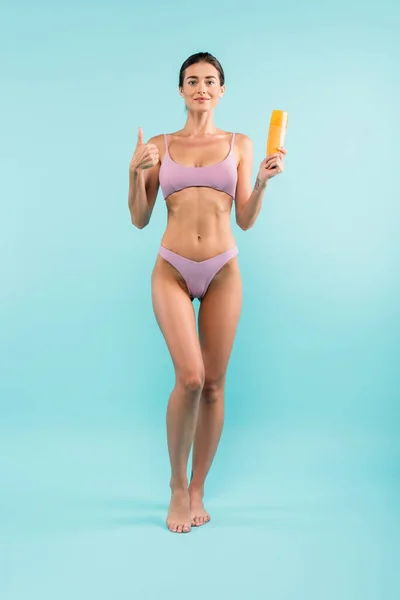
(175, 316)
(219, 315)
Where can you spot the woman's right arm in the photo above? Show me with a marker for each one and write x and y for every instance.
(143, 180)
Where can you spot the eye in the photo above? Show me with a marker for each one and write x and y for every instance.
(193, 82)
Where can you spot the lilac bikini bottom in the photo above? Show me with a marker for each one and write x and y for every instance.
(197, 274)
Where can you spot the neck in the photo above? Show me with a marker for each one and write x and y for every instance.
(198, 124)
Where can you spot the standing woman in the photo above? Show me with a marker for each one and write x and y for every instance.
(202, 170)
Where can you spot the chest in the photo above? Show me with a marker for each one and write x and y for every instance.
(199, 152)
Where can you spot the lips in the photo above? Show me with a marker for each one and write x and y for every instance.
(201, 99)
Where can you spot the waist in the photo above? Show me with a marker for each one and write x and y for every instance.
(197, 247)
(199, 224)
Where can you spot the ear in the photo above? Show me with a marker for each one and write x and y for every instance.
(180, 91)
(222, 92)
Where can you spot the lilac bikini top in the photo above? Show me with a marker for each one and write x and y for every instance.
(221, 176)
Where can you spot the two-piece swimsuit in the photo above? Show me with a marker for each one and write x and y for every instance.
(174, 177)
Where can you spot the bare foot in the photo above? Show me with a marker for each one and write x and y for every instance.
(199, 514)
(178, 518)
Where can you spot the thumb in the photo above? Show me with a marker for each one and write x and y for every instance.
(140, 136)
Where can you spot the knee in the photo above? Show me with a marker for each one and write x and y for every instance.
(192, 380)
(213, 390)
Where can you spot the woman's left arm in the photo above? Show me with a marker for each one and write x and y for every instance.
(248, 201)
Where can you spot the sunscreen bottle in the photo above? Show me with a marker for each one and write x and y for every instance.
(277, 131)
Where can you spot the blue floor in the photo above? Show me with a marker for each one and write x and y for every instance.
(295, 514)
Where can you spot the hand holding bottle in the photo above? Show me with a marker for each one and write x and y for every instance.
(273, 164)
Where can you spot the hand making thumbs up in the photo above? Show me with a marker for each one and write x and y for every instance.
(145, 156)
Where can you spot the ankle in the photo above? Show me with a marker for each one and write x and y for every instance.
(178, 485)
(196, 487)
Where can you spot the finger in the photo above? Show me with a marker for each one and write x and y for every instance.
(273, 168)
(276, 159)
(140, 136)
(152, 148)
(282, 149)
(270, 163)
(154, 158)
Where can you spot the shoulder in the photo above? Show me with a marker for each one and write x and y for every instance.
(244, 146)
(158, 140)
(243, 140)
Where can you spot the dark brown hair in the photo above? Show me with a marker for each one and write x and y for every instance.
(201, 57)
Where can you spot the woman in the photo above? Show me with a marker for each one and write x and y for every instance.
(201, 170)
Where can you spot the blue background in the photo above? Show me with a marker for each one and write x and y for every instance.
(304, 492)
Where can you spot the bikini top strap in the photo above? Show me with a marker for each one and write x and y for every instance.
(233, 141)
(166, 144)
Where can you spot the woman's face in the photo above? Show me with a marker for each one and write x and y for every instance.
(201, 88)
